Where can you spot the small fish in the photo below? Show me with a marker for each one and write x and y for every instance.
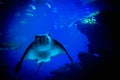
(48, 5)
(29, 14)
(32, 7)
(41, 50)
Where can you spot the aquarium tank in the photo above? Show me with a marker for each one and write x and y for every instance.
(57, 39)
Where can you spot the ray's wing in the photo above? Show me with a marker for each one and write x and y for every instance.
(17, 68)
(59, 44)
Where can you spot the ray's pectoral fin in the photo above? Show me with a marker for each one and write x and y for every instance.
(17, 68)
(59, 44)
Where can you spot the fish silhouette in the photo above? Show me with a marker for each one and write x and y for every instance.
(41, 50)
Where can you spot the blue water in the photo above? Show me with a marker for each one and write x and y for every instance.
(56, 18)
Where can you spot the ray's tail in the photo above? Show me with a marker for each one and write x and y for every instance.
(36, 72)
(39, 66)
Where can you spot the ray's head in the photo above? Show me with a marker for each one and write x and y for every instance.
(43, 38)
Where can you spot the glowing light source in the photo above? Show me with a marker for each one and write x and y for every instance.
(93, 14)
(90, 19)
